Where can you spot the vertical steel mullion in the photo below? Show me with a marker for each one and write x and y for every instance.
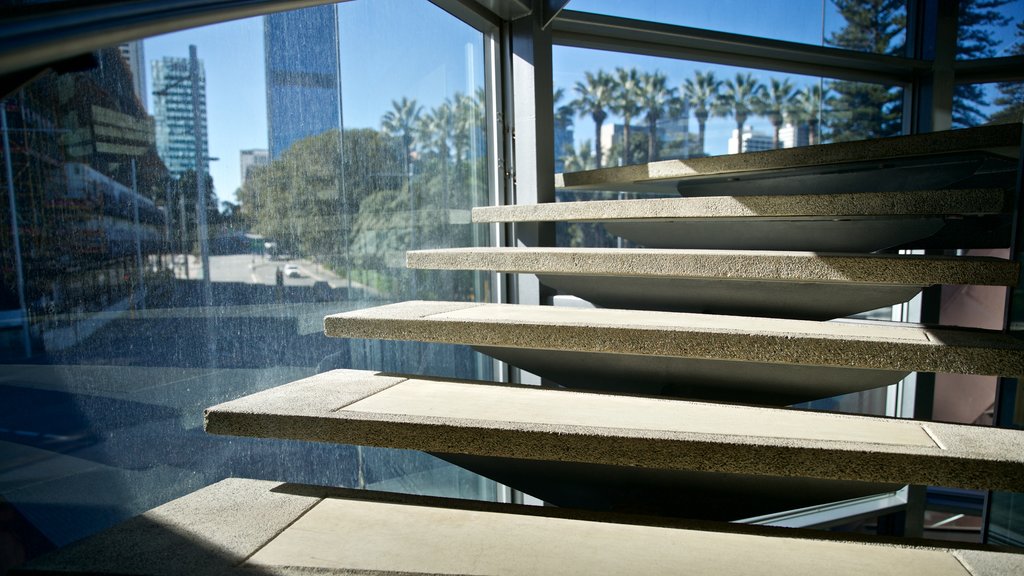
(531, 158)
(532, 136)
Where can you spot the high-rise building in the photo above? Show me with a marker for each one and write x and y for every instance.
(247, 159)
(791, 136)
(175, 119)
(303, 85)
(752, 141)
(674, 137)
(564, 137)
(135, 55)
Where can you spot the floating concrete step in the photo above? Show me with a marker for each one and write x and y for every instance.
(862, 222)
(761, 360)
(528, 422)
(937, 159)
(259, 527)
(778, 284)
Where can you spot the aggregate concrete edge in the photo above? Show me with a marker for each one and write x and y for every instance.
(823, 206)
(886, 269)
(685, 335)
(965, 456)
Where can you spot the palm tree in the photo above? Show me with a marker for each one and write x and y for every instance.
(435, 130)
(656, 99)
(741, 98)
(701, 93)
(402, 122)
(464, 116)
(563, 120)
(580, 161)
(777, 102)
(806, 109)
(593, 98)
(625, 102)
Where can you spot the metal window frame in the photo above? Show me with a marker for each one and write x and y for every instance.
(601, 32)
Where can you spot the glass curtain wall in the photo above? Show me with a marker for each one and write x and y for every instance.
(989, 29)
(619, 108)
(181, 214)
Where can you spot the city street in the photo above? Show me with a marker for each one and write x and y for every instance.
(256, 269)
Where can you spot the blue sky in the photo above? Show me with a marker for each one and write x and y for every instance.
(395, 48)
(379, 64)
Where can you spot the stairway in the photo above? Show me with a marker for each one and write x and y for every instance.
(664, 406)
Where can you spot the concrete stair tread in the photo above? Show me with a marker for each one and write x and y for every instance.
(879, 269)
(261, 527)
(804, 285)
(860, 222)
(924, 153)
(505, 421)
(745, 339)
(866, 205)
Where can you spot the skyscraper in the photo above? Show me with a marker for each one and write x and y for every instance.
(175, 120)
(134, 54)
(303, 85)
(247, 159)
(752, 141)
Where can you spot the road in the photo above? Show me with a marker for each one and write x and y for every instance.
(255, 269)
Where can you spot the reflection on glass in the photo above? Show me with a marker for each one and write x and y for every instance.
(123, 315)
(878, 27)
(632, 109)
(989, 28)
(991, 103)
(647, 109)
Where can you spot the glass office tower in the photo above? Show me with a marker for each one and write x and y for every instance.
(303, 84)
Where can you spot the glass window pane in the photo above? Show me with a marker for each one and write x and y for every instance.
(990, 103)
(683, 109)
(990, 28)
(878, 27)
(329, 141)
(699, 110)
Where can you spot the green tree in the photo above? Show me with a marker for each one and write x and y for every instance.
(976, 19)
(593, 98)
(581, 160)
(626, 94)
(779, 97)
(435, 130)
(656, 100)
(741, 98)
(466, 124)
(1011, 96)
(300, 200)
(875, 26)
(805, 109)
(402, 122)
(860, 110)
(701, 93)
(183, 199)
(564, 115)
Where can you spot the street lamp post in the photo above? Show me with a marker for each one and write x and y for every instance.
(18, 264)
(201, 170)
